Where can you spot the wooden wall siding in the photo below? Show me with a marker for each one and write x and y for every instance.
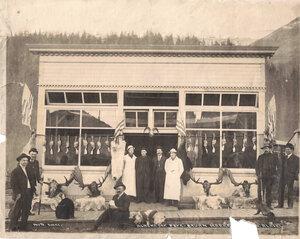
(152, 74)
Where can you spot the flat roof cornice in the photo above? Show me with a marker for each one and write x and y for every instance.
(150, 50)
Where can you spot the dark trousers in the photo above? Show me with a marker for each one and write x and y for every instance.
(159, 186)
(21, 209)
(113, 216)
(290, 190)
(267, 184)
(143, 189)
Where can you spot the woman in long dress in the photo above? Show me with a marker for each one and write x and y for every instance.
(174, 169)
(128, 175)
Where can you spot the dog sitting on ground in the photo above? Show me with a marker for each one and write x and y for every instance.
(265, 211)
(65, 209)
(148, 217)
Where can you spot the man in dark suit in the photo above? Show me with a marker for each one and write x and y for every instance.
(289, 173)
(23, 189)
(266, 173)
(33, 167)
(159, 175)
(118, 209)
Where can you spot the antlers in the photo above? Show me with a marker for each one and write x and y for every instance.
(218, 180)
(232, 180)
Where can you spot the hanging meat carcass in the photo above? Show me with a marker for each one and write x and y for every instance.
(58, 144)
(85, 144)
(213, 143)
(51, 144)
(244, 143)
(205, 143)
(67, 144)
(92, 144)
(234, 143)
(76, 145)
(98, 145)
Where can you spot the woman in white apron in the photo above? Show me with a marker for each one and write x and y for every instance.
(174, 169)
(128, 175)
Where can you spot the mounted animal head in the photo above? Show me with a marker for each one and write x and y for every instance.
(54, 188)
(245, 184)
(207, 185)
(94, 187)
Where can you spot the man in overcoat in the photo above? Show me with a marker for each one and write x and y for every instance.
(118, 209)
(266, 172)
(23, 188)
(159, 175)
(289, 173)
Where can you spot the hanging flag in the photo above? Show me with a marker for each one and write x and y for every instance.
(180, 127)
(119, 129)
(272, 118)
(27, 104)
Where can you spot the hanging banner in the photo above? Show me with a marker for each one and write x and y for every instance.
(27, 105)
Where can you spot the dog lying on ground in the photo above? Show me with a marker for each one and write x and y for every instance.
(90, 203)
(148, 217)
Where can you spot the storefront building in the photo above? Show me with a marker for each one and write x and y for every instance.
(86, 91)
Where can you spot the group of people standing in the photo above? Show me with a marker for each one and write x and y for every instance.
(154, 179)
(273, 165)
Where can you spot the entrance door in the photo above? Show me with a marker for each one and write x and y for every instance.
(166, 141)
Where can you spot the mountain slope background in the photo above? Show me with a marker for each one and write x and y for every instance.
(282, 74)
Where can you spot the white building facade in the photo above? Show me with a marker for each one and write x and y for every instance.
(85, 91)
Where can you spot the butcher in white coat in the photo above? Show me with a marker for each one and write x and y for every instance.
(174, 169)
(128, 175)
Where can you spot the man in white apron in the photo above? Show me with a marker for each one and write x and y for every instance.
(128, 174)
(174, 169)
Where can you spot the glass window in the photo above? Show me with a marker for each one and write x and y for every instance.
(62, 146)
(229, 99)
(99, 118)
(159, 119)
(109, 98)
(238, 149)
(130, 119)
(239, 120)
(95, 147)
(171, 118)
(211, 99)
(74, 97)
(142, 119)
(56, 97)
(193, 99)
(199, 119)
(91, 98)
(151, 99)
(247, 100)
(203, 148)
(63, 118)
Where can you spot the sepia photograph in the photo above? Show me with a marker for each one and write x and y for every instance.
(156, 118)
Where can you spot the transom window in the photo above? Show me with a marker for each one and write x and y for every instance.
(71, 97)
(224, 99)
(151, 98)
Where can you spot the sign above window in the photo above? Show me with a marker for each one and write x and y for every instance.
(73, 97)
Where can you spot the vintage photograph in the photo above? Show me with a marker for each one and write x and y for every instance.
(149, 117)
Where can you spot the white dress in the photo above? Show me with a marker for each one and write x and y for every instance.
(174, 169)
(128, 176)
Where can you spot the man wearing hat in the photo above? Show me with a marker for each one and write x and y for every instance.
(23, 188)
(118, 208)
(159, 174)
(266, 173)
(128, 172)
(289, 173)
(173, 169)
(143, 169)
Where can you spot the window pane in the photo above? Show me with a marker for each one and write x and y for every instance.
(99, 118)
(159, 119)
(193, 99)
(56, 97)
(109, 98)
(199, 119)
(63, 118)
(91, 98)
(203, 148)
(229, 99)
(239, 149)
(142, 119)
(171, 119)
(95, 147)
(130, 118)
(239, 120)
(62, 146)
(247, 99)
(211, 99)
(74, 97)
(150, 99)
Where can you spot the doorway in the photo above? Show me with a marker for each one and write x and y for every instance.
(166, 141)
